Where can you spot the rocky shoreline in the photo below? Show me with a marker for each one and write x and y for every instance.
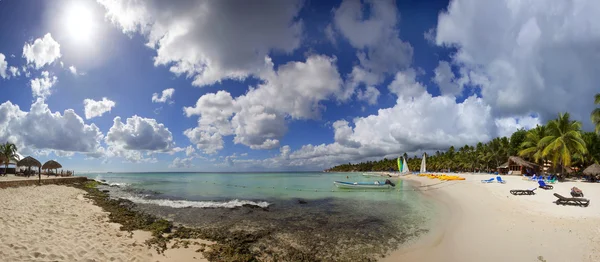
(296, 230)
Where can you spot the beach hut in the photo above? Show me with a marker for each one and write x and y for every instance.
(29, 162)
(503, 169)
(51, 164)
(593, 170)
(518, 166)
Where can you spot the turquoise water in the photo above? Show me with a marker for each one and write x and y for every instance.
(255, 186)
(287, 212)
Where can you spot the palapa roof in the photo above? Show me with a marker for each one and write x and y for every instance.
(51, 164)
(29, 161)
(521, 162)
(592, 170)
(505, 165)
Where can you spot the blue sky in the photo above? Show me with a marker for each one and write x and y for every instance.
(283, 85)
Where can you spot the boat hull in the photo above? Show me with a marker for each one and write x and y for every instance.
(348, 185)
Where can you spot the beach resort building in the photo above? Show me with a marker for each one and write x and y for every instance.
(518, 166)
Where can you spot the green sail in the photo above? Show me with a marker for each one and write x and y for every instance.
(399, 165)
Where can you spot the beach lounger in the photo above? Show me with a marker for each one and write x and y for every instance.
(500, 180)
(578, 201)
(491, 180)
(518, 192)
(543, 185)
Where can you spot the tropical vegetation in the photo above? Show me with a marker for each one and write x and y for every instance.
(560, 143)
(596, 114)
(8, 152)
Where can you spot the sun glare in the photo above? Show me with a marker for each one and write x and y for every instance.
(79, 22)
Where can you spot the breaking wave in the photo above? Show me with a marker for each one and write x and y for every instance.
(198, 204)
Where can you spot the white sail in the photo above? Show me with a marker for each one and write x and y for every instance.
(423, 165)
(404, 166)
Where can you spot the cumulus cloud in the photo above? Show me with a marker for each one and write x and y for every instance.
(257, 118)
(42, 51)
(14, 71)
(166, 95)
(139, 134)
(526, 56)
(40, 87)
(41, 129)
(95, 108)
(181, 163)
(3, 66)
(73, 70)
(418, 122)
(186, 39)
(370, 95)
(380, 50)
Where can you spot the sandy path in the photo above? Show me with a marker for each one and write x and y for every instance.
(484, 222)
(56, 223)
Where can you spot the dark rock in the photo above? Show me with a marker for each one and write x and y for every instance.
(302, 202)
(105, 190)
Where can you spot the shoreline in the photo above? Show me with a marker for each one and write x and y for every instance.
(484, 222)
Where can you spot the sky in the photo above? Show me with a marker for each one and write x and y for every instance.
(177, 86)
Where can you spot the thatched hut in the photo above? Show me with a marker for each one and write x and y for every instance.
(29, 162)
(593, 170)
(518, 166)
(503, 169)
(51, 164)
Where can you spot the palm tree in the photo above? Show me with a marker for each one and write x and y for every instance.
(531, 146)
(596, 113)
(8, 152)
(563, 140)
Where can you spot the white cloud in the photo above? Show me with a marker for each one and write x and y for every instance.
(42, 51)
(257, 118)
(370, 95)
(181, 163)
(380, 50)
(95, 108)
(139, 134)
(185, 37)
(446, 80)
(416, 123)
(3, 66)
(527, 56)
(41, 129)
(40, 87)
(166, 96)
(14, 71)
(73, 70)
(508, 125)
(189, 151)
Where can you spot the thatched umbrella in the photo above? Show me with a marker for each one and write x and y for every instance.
(29, 162)
(51, 164)
(592, 170)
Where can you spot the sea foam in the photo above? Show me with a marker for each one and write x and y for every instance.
(199, 204)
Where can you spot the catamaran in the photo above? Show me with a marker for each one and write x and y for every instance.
(403, 166)
(423, 165)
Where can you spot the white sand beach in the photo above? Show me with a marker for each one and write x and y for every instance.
(484, 222)
(56, 223)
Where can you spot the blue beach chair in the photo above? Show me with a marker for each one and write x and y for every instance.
(543, 185)
(500, 180)
(491, 180)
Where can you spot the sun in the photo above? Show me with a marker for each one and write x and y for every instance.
(79, 22)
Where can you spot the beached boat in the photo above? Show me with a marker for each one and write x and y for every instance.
(364, 185)
(370, 174)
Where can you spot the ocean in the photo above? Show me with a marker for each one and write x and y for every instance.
(303, 212)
